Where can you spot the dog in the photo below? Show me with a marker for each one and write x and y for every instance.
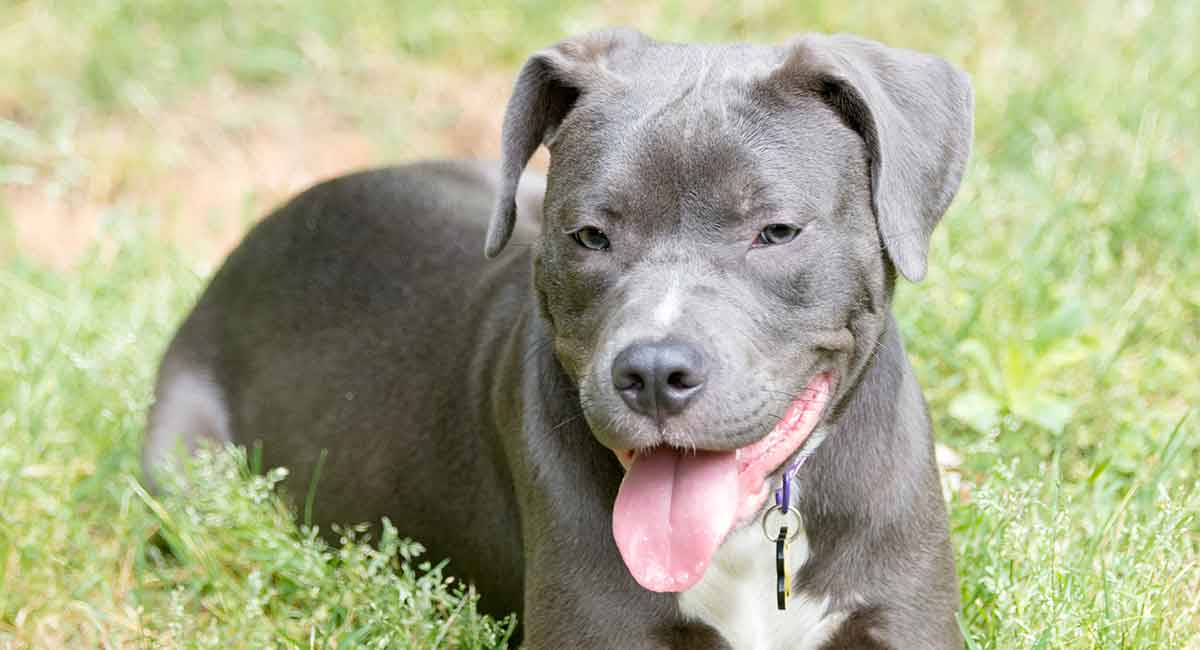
(590, 420)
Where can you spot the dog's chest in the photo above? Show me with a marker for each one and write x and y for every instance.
(737, 597)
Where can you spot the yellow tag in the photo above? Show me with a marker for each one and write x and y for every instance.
(783, 580)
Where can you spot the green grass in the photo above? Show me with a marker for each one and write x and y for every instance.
(1057, 335)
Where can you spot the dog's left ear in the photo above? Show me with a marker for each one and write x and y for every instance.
(549, 85)
(913, 111)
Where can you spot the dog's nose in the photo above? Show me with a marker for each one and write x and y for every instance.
(659, 379)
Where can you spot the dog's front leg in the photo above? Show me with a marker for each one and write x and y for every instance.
(581, 597)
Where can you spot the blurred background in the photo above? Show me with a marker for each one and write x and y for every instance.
(1057, 335)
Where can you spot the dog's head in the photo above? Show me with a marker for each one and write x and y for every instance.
(721, 230)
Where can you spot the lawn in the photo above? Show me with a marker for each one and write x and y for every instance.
(1057, 335)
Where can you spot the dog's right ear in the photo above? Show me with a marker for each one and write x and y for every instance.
(914, 113)
(548, 86)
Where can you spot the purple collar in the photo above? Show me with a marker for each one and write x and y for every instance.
(783, 496)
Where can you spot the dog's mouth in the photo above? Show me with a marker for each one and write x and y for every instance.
(675, 507)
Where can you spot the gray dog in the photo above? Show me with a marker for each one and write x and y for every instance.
(593, 425)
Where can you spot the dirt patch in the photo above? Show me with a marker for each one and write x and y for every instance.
(200, 169)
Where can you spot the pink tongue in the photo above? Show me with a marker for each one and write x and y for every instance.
(672, 512)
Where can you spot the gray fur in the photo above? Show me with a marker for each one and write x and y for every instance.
(471, 402)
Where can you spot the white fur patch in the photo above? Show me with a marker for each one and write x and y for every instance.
(737, 597)
(189, 409)
(667, 311)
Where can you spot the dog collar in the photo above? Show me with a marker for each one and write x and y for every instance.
(783, 494)
(783, 506)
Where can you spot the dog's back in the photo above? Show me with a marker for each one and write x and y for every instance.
(311, 326)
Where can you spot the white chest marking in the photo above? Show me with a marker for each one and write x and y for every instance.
(737, 597)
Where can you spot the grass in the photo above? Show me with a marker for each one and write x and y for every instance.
(1056, 335)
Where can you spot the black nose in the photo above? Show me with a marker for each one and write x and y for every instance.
(659, 379)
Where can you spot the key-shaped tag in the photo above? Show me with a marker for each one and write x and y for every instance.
(783, 581)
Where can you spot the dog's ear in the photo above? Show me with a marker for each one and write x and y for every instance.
(913, 111)
(548, 86)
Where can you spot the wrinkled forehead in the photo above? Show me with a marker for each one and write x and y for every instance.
(698, 131)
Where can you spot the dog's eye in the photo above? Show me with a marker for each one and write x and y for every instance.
(591, 238)
(775, 234)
